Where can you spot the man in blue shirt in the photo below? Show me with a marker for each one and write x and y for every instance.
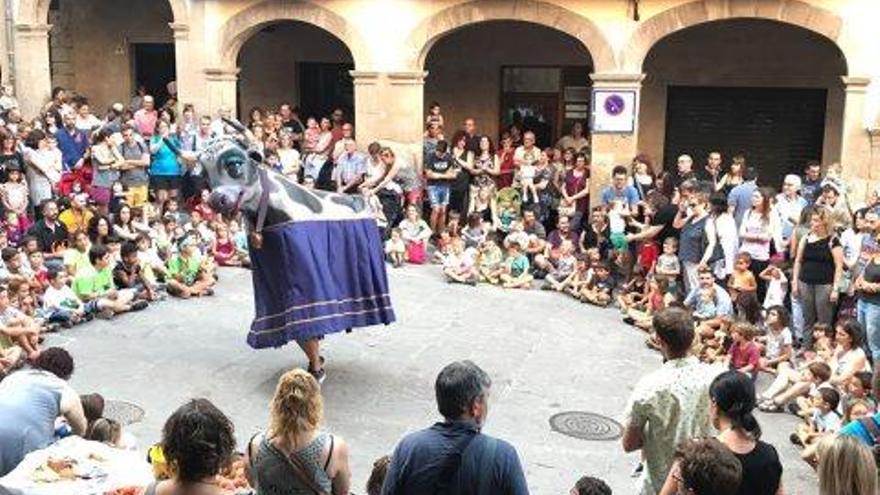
(453, 456)
(351, 166)
(619, 189)
(72, 142)
(740, 198)
(723, 304)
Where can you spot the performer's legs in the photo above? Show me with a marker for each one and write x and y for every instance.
(312, 349)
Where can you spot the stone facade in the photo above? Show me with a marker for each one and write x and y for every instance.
(391, 47)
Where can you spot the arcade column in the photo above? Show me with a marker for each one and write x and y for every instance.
(388, 108)
(33, 79)
(221, 84)
(861, 166)
(614, 126)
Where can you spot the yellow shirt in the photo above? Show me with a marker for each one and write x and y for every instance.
(75, 221)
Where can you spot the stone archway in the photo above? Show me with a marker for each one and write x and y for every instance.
(423, 37)
(241, 26)
(795, 12)
(37, 11)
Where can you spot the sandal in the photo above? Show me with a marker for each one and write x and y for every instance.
(770, 407)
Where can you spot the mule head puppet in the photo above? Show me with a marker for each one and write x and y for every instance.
(240, 182)
(317, 256)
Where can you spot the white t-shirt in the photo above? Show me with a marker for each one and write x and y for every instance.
(62, 298)
(777, 341)
(776, 290)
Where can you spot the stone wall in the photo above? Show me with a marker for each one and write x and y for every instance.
(464, 68)
(95, 57)
(268, 62)
(740, 53)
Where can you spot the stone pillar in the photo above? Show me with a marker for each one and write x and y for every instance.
(185, 74)
(861, 167)
(388, 108)
(33, 78)
(221, 89)
(610, 149)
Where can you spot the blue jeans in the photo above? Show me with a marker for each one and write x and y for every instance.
(868, 315)
(438, 194)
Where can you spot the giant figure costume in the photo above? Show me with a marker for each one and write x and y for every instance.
(318, 265)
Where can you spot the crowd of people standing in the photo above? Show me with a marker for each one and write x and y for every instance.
(102, 216)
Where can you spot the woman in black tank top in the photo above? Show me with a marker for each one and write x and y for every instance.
(732, 396)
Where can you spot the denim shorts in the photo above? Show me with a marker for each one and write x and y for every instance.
(438, 194)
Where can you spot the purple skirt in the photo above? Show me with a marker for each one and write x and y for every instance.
(313, 278)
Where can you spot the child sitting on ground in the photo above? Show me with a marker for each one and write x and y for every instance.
(474, 233)
(189, 274)
(517, 235)
(741, 280)
(599, 290)
(642, 314)
(415, 233)
(129, 274)
(395, 249)
(777, 343)
(60, 303)
(705, 308)
(460, 264)
(515, 271)
(632, 293)
(489, 261)
(565, 266)
(777, 285)
(578, 281)
(17, 328)
(744, 355)
(443, 247)
(41, 273)
(224, 251)
(94, 285)
(857, 391)
(824, 421)
(668, 265)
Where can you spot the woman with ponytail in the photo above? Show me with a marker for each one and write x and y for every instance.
(732, 400)
(294, 457)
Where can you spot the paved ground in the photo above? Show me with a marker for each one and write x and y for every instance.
(545, 353)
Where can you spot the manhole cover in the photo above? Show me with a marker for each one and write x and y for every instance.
(586, 425)
(125, 412)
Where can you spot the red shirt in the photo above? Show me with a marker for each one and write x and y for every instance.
(742, 356)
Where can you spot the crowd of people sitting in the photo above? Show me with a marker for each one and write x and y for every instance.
(103, 217)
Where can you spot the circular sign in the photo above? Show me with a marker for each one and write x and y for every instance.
(614, 105)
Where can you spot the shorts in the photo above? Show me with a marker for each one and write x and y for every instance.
(438, 195)
(618, 241)
(137, 196)
(101, 195)
(165, 182)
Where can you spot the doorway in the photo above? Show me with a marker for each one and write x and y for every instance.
(154, 67)
(777, 129)
(324, 87)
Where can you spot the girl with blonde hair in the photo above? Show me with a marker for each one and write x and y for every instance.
(846, 467)
(294, 457)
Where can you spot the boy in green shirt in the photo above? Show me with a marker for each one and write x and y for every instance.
(95, 285)
(189, 275)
